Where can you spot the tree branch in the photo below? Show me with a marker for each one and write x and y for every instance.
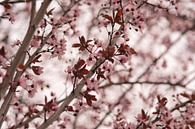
(17, 60)
(142, 82)
(30, 32)
(181, 105)
(15, 2)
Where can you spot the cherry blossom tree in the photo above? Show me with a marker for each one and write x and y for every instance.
(123, 64)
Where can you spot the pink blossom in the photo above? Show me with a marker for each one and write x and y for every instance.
(35, 42)
(31, 92)
(10, 14)
(92, 84)
(91, 59)
(123, 59)
(69, 70)
(43, 23)
(131, 126)
(107, 67)
(59, 48)
(23, 82)
(64, 123)
(166, 41)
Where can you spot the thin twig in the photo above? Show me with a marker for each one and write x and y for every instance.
(15, 2)
(143, 82)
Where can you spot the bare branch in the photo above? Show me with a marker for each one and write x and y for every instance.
(11, 70)
(17, 60)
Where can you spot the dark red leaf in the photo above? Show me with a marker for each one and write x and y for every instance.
(82, 40)
(2, 51)
(186, 95)
(37, 70)
(81, 72)
(100, 74)
(118, 16)
(108, 17)
(89, 41)
(89, 98)
(83, 43)
(162, 101)
(144, 116)
(89, 102)
(76, 45)
(126, 50)
(193, 96)
(50, 12)
(132, 51)
(111, 51)
(108, 53)
(82, 48)
(85, 71)
(79, 64)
